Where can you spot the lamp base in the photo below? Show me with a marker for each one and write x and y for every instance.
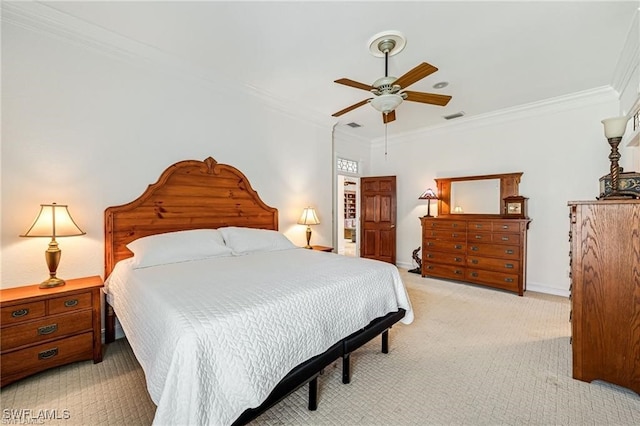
(52, 282)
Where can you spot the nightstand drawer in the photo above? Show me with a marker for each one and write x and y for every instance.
(48, 328)
(22, 363)
(64, 304)
(22, 312)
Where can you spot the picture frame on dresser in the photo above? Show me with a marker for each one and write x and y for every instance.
(487, 249)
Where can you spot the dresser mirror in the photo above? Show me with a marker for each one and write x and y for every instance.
(483, 194)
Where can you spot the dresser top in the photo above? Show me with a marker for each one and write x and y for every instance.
(33, 291)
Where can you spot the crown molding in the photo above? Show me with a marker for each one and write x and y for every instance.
(629, 61)
(547, 106)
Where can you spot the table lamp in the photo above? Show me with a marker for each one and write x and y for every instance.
(53, 221)
(428, 195)
(308, 217)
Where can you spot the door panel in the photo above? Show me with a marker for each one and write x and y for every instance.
(378, 218)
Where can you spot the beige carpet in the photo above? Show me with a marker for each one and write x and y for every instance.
(473, 356)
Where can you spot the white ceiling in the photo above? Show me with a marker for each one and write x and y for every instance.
(495, 55)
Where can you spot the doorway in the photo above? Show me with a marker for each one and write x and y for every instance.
(347, 215)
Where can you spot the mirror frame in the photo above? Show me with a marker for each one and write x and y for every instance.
(509, 186)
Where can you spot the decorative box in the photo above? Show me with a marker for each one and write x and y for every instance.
(628, 185)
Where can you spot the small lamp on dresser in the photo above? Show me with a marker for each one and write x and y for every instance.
(617, 184)
(53, 221)
(428, 195)
(308, 217)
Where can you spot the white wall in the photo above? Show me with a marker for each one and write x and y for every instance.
(560, 147)
(93, 129)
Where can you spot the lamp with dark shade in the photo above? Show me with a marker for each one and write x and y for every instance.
(308, 217)
(428, 195)
(53, 221)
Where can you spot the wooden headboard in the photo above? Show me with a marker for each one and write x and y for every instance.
(188, 195)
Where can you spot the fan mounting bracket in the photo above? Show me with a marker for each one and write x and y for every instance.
(395, 41)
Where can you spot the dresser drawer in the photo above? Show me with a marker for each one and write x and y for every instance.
(443, 257)
(45, 329)
(506, 226)
(22, 363)
(481, 225)
(443, 271)
(495, 279)
(68, 303)
(501, 251)
(493, 264)
(448, 246)
(449, 234)
(445, 224)
(22, 312)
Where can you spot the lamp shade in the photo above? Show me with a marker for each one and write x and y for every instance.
(309, 217)
(428, 195)
(615, 127)
(53, 221)
(387, 102)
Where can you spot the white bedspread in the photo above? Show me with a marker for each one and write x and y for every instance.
(215, 336)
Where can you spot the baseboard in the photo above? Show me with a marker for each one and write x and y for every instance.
(541, 288)
(119, 331)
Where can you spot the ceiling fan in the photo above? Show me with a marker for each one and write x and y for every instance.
(389, 91)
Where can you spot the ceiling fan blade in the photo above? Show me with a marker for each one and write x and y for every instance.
(352, 83)
(389, 117)
(427, 98)
(417, 73)
(352, 107)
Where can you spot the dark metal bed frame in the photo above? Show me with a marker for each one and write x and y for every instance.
(205, 194)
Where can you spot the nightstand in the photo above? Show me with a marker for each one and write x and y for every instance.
(45, 328)
(322, 248)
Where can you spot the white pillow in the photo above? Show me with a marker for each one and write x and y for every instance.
(180, 246)
(249, 240)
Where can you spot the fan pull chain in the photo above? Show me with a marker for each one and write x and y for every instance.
(385, 139)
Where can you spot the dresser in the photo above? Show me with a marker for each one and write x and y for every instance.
(481, 249)
(45, 328)
(605, 291)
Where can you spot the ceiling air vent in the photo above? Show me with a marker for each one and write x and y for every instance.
(354, 125)
(452, 116)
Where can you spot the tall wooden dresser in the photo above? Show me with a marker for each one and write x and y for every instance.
(479, 249)
(605, 291)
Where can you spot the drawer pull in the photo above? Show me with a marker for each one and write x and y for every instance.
(475, 248)
(457, 246)
(49, 353)
(508, 280)
(455, 225)
(457, 272)
(508, 265)
(474, 261)
(457, 259)
(505, 226)
(509, 251)
(478, 237)
(505, 238)
(454, 235)
(70, 303)
(429, 244)
(19, 313)
(474, 274)
(429, 266)
(47, 329)
(429, 255)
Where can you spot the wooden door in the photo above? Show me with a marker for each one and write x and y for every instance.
(378, 218)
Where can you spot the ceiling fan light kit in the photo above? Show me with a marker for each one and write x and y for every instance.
(389, 91)
(386, 103)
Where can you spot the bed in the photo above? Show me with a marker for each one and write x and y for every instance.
(225, 315)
